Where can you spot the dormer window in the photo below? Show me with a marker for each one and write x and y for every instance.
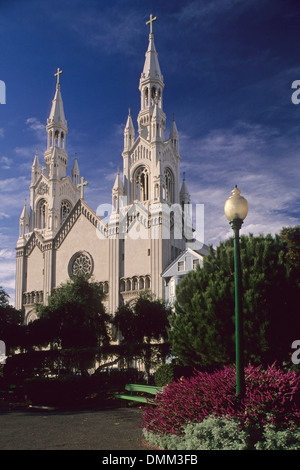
(181, 266)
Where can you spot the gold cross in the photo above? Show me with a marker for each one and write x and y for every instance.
(82, 185)
(151, 21)
(57, 74)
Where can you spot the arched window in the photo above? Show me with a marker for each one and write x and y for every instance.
(56, 137)
(168, 186)
(65, 210)
(153, 93)
(141, 184)
(42, 214)
(134, 283)
(146, 96)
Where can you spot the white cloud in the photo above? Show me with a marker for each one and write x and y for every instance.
(34, 124)
(6, 162)
(7, 278)
(242, 155)
(7, 254)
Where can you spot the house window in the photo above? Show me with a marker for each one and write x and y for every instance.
(172, 288)
(180, 266)
(195, 263)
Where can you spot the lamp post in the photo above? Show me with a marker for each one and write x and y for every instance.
(236, 209)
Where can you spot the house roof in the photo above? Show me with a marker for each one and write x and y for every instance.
(200, 253)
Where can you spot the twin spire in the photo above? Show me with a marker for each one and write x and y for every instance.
(151, 118)
(56, 157)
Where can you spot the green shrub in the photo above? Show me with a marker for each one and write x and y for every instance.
(285, 439)
(211, 434)
(164, 375)
(225, 434)
(216, 434)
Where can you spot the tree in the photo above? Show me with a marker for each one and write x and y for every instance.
(202, 326)
(4, 302)
(75, 320)
(291, 236)
(143, 326)
(10, 322)
(77, 314)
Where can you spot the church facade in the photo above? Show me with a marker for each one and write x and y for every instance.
(149, 224)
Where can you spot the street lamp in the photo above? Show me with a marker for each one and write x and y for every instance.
(236, 209)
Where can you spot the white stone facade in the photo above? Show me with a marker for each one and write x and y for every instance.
(60, 234)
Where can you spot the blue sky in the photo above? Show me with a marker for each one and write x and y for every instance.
(228, 67)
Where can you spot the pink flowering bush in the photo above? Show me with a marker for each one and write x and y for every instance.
(272, 397)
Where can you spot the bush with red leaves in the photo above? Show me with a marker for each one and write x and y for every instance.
(272, 396)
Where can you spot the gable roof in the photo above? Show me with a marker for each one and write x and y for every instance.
(196, 254)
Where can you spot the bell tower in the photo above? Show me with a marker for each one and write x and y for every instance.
(151, 163)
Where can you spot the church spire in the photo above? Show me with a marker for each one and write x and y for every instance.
(24, 221)
(35, 169)
(75, 171)
(57, 114)
(151, 87)
(56, 158)
(151, 65)
(117, 192)
(174, 136)
(184, 193)
(129, 133)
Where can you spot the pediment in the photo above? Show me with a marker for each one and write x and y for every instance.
(80, 208)
(35, 240)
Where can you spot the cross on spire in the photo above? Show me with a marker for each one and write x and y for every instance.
(81, 186)
(151, 21)
(57, 74)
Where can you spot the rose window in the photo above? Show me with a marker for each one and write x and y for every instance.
(81, 263)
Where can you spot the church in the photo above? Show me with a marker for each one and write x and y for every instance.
(149, 224)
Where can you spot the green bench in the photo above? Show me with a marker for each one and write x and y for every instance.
(135, 389)
(11, 391)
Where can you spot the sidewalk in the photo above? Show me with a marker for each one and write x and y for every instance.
(107, 429)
